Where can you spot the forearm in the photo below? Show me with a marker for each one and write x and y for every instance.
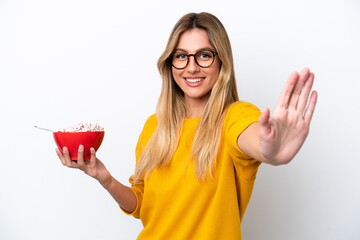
(249, 143)
(254, 152)
(122, 194)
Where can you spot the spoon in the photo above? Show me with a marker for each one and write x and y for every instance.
(44, 129)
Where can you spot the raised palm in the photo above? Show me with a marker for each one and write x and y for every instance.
(284, 131)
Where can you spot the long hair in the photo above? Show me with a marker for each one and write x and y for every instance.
(171, 107)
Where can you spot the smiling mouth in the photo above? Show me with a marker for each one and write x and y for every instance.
(194, 80)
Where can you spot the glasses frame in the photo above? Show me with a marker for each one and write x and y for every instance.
(193, 55)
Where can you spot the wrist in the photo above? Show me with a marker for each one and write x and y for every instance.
(268, 160)
(106, 182)
(273, 160)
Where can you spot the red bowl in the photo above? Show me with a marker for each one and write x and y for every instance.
(72, 140)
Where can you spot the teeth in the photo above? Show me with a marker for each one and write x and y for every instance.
(194, 80)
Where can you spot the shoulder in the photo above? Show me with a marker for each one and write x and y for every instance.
(242, 109)
(146, 133)
(152, 120)
(150, 125)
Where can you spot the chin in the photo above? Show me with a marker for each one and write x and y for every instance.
(197, 95)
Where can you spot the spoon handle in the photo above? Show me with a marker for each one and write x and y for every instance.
(44, 129)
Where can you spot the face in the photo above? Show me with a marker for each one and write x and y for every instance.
(196, 82)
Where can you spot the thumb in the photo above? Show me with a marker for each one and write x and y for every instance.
(264, 117)
(264, 122)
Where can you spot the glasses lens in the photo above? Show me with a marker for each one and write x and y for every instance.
(179, 59)
(204, 58)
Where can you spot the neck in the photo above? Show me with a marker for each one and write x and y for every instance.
(195, 107)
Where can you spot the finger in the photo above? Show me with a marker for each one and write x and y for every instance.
(60, 155)
(294, 99)
(80, 156)
(92, 158)
(264, 117)
(264, 121)
(311, 107)
(287, 90)
(305, 93)
(67, 157)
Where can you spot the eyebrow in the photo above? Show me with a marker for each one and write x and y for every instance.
(201, 49)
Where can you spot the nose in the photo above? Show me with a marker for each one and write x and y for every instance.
(192, 65)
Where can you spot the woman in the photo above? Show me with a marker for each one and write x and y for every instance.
(198, 156)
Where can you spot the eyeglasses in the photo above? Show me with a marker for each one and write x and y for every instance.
(203, 58)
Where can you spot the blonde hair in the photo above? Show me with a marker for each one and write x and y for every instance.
(171, 107)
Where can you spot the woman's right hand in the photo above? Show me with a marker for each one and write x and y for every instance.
(93, 167)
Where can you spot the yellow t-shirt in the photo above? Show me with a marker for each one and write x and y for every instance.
(173, 204)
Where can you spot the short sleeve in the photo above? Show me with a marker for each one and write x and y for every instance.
(240, 115)
(138, 187)
(138, 190)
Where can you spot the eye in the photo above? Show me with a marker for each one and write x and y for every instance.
(204, 55)
(179, 56)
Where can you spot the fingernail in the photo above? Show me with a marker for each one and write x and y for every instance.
(81, 148)
(64, 149)
(92, 150)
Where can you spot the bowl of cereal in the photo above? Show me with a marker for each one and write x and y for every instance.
(89, 135)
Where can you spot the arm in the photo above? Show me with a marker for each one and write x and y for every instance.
(122, 194)
(277, 138)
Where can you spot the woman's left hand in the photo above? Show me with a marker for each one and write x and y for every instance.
(282, 134)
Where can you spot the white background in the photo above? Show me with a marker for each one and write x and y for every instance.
(70, 61)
